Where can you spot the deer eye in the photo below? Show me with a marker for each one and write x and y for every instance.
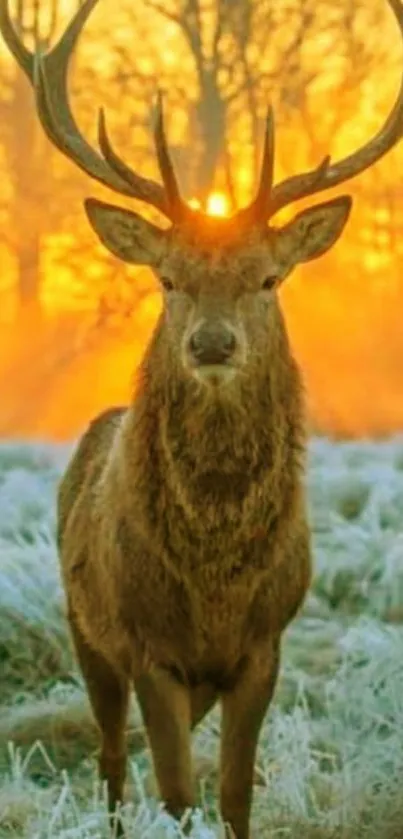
(167, 283)
(269, 282)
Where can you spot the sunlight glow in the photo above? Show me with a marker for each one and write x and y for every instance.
(217, 204)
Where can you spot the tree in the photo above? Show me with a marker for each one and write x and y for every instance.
(33, 202)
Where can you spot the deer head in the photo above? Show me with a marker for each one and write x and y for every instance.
(219, 275)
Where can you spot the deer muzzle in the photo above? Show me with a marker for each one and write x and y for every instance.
(212, 349)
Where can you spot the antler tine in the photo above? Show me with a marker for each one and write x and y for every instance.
(56, 117)
(23, 57)
(259, 209)
(309, 183)
(261, 205)
(267, 171)
(150, 191)
(165, 163)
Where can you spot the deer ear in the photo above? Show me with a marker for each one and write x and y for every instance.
(125, 234)
(313, 231)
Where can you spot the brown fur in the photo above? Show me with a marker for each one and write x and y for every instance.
(184, 543)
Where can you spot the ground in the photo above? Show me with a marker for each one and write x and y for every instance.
(331, 753)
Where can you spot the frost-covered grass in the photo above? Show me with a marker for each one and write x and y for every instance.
(331, 752)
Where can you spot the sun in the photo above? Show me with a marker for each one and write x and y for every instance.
(217, 204)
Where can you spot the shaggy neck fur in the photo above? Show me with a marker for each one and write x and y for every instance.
(214, 463)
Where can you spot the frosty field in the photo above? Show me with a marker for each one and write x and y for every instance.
(331, 753)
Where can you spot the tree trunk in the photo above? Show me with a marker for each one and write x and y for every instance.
(211, 119)
(27, 206)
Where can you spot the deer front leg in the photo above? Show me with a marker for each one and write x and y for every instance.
(243, 711)
(165, 705)
(108, 692)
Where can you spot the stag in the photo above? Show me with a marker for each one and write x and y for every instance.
(182, 526)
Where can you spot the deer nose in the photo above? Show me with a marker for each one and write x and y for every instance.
(212, 344)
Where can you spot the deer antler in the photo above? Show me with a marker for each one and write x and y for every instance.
(269, 200)
(48, 76)
(260, 206)
(60, 126)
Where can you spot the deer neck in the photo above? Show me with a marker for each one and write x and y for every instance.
(215, 467)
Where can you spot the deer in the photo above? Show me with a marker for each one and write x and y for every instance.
(183, 528)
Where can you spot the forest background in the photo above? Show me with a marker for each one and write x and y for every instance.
(74, 321)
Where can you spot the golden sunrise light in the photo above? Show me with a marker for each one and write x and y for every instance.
(217, 204)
